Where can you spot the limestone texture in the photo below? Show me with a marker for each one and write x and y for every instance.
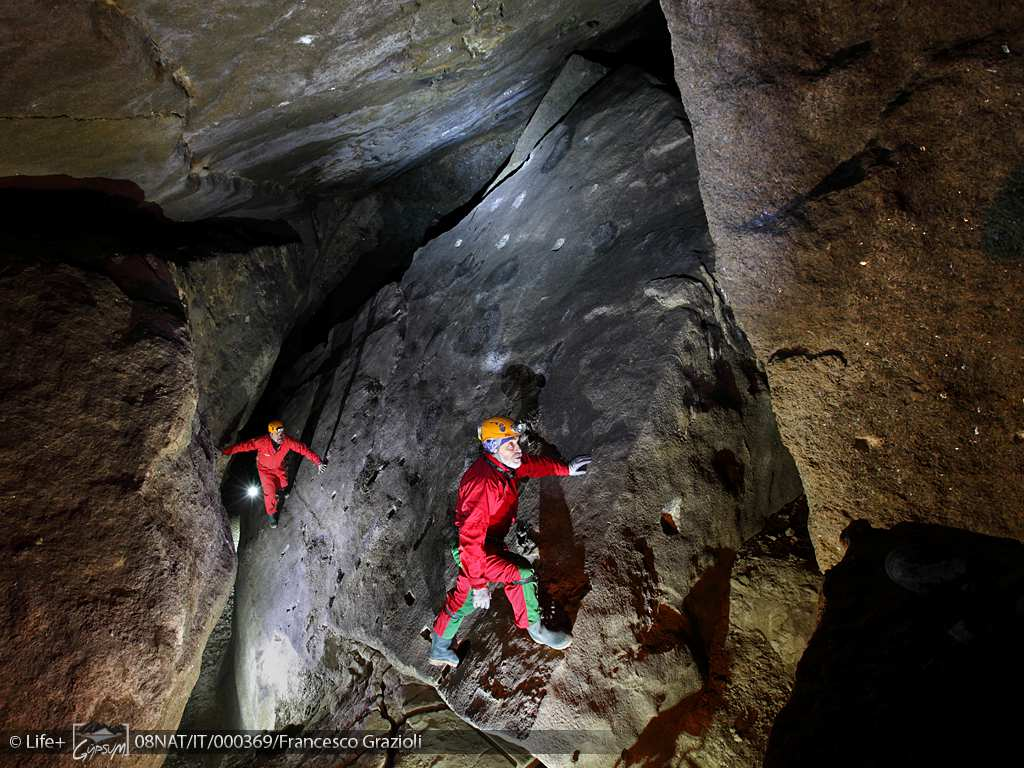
(858, 166)
(580, 296)
(117, 554)
(224, 106)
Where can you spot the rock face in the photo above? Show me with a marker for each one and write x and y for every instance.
(859, 167)
(241, 308)
(220, 106)
(753, 637)
(380, 700)
(251, 310)
(580, 296)
(117, 555)
(915, 653)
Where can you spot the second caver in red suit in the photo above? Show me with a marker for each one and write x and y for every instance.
(270, 463)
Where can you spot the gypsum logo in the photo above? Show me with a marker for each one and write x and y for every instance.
(91, 739)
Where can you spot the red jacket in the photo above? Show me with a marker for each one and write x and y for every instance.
(270, 457)
(486, 508)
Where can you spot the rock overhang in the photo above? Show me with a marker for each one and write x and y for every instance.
(215, 108)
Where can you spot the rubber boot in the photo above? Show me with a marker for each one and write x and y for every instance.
(541, 634)
(273, 519)
(441, 653)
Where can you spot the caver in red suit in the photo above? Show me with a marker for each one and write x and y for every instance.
(270, 458)
(484, 514)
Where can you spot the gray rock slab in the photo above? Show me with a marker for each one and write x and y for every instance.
(576, 78)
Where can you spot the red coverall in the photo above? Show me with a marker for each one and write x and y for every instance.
(484, 514)
(270, 463)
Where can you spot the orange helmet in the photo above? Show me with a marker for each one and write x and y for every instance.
(496, 428)
(275, 425)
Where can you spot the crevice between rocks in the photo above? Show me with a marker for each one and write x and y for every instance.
(787, 353)
(840, 60)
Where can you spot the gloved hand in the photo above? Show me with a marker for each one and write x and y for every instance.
(481, 598)
(579, 465)
(322, 468)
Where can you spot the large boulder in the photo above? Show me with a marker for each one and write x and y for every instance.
(860, 166)
(760, 609)
(117, 554)
(218, 106)
(578, 295)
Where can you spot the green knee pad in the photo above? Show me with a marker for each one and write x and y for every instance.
(529, 581)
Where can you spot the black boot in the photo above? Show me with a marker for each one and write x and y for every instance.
(273, 519)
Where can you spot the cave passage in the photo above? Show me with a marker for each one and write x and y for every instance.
(778, 324)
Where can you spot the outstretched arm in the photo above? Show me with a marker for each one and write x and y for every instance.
(304, 450)
(243, 447)
(538, 466)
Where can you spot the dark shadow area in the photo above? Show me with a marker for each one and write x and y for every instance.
(561, 567)
(643, 42)
(88, 221)
(916, 659)
(522, 386)
(1004, 221)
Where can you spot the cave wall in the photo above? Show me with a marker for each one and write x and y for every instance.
(117, 554)
(579, 294)
(255, 312)
(860, 166)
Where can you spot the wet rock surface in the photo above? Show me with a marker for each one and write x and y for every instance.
(858, 167)
(905, 669)
(214, 107)
(579, 295)
(117, 556)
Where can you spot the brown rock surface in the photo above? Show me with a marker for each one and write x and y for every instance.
(769, 606)
(117, 555)
(860, 166)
